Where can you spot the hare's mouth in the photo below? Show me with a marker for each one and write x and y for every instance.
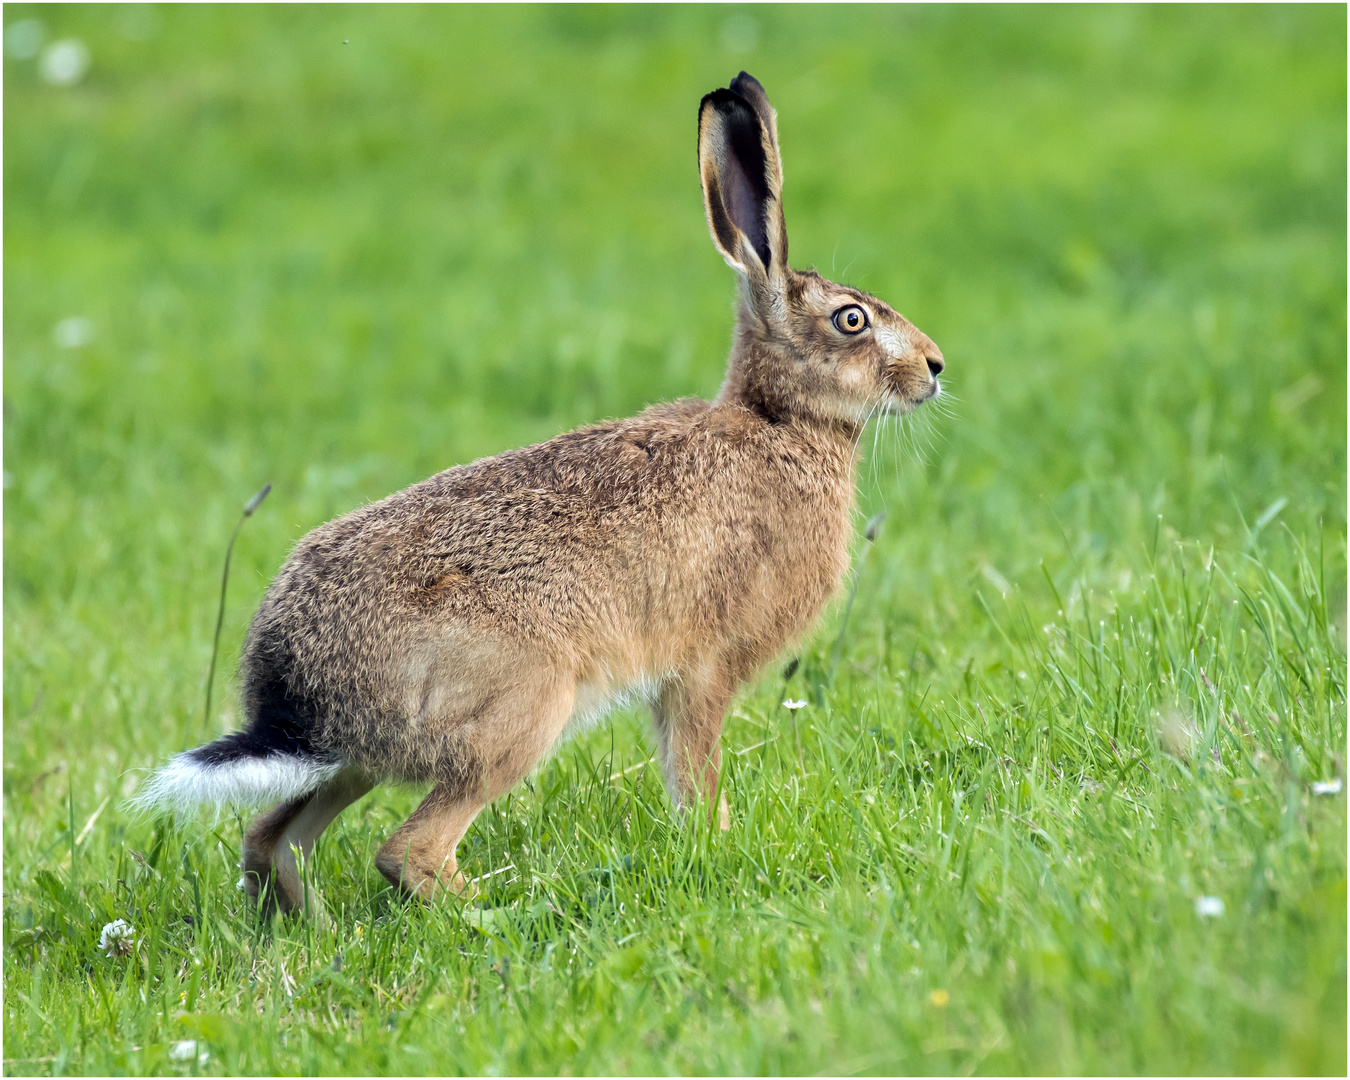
(899, 403)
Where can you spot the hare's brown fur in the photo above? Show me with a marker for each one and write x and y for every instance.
(453, 632)
(688, 544)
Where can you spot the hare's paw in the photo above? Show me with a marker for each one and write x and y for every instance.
(427, 883)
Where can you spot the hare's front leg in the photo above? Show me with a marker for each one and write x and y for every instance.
(688, 716)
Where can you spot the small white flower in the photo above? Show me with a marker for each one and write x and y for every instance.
(118, 938)
(185, 1050)
(1209, 907)
(64, 62)
(794, 705)
(24, 38)
(72, 332)
(1327, 787)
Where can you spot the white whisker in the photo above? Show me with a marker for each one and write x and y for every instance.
(872, 460)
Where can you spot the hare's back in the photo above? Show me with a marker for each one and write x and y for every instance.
(521, 540)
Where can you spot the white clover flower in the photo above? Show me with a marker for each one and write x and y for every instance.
(1209, 907)
(1327, 787)
(794, 705)
(73, 332)
(118, 938)
(64, 62)
(186, 1050)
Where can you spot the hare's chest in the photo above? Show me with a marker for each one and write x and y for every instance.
(782, 565)
(808, 534)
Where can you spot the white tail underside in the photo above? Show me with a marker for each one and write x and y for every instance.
(247, 781)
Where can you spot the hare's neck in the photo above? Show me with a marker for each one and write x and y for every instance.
(758, 379)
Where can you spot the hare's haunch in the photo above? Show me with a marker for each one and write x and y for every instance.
(453, 633)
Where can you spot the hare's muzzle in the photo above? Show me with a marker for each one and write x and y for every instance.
(917, 372)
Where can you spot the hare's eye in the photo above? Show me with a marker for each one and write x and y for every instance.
(851, 319)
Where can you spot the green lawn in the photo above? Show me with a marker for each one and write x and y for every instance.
(1096, 660)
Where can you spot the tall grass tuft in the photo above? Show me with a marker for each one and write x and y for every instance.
(249, 507)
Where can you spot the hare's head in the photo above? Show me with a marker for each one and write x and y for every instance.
(805, 346)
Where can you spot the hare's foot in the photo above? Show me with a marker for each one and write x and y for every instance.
(279, 842)
(418, 883)
(419, 858)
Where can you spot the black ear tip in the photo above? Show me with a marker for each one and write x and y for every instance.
(746, 80)
(725, 101)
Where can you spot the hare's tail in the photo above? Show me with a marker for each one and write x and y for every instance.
(262, 764)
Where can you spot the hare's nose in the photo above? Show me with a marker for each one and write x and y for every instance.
(921, 343)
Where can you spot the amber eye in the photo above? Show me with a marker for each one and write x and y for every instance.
(850, 320)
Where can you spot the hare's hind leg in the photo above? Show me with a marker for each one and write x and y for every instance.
(419, 857)
(271, 869)
(688, 716)
(516, 733)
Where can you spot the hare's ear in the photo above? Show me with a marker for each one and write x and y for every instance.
(742, 178)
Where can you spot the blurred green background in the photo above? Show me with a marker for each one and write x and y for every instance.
(340, 248)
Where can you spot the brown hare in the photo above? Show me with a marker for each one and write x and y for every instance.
(455, 632)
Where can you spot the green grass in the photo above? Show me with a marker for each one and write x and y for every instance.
(1096, 659)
